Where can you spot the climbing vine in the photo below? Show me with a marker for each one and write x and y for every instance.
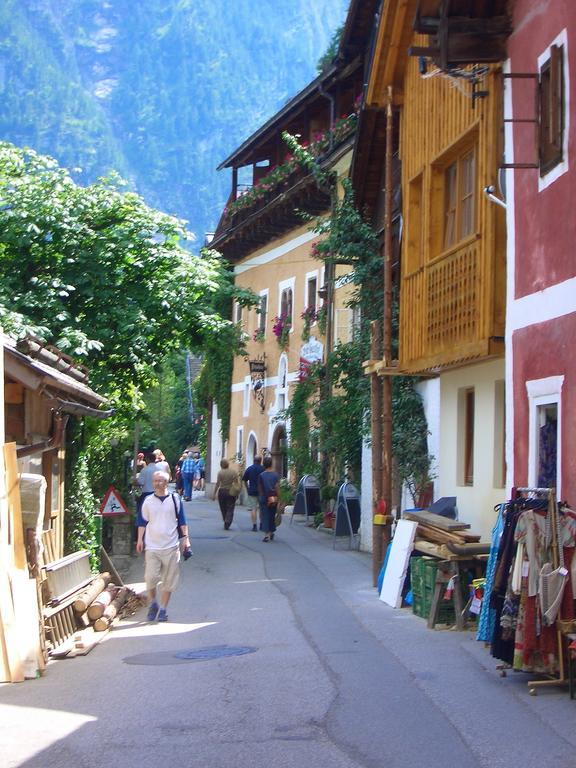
(79, 518)
(213, 384)
(339, 413)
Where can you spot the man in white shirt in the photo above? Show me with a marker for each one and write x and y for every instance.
(162, 524)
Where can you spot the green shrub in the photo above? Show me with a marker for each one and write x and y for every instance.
(79, 514)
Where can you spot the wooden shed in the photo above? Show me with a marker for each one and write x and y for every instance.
(40, 388)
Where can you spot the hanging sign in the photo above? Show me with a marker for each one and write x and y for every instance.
(310, 353)
(257, 375)
(112, 504)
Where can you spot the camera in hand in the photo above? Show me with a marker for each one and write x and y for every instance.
(187, 553)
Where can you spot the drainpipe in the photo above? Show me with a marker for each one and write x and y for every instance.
(55, 441)
(332, 101)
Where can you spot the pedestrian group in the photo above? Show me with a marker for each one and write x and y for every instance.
(162, 531)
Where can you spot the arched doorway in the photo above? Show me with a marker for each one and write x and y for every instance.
(278, 450)
(251, 449)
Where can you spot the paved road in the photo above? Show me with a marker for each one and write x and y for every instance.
(330, 676)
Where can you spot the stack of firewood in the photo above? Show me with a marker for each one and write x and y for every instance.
(442, 537)
(100, 603)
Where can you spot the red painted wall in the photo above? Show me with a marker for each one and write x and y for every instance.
(541, 350)
(546, 220)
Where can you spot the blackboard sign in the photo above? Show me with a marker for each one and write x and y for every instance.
(347, 511)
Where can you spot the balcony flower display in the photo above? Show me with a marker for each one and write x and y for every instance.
(280, 174)
(309, 316)
(281, 329)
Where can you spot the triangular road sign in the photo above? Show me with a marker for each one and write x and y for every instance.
(112, 504)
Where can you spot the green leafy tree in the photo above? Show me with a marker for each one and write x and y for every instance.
(79, 518)
(99, 273)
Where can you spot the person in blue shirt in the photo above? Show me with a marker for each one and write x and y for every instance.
(188, 470)
(250, 478)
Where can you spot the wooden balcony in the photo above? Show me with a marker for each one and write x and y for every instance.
(447, 312)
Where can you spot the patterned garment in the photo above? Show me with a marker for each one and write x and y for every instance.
(487, 617)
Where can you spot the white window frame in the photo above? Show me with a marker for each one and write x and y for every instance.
(283, 286)
(322, 284)
(240, 442)
(238, 313)
(309, 277)
(246, 396)
(562, 167)
(281, 390)
(540, 392)
(262, 294)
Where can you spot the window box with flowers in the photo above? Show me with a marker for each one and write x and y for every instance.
(309, 316)
(281, 329)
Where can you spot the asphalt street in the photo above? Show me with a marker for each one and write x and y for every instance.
(280, 654)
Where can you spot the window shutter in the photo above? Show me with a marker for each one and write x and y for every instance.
(555, 104)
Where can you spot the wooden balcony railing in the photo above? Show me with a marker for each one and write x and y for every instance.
(446, 311)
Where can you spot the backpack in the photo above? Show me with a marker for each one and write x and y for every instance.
(180, 534)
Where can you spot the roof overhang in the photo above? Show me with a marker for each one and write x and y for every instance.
(64, 392)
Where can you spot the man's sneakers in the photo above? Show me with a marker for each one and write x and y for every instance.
(155, 612)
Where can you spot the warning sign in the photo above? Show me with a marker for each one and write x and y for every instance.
(112, 504)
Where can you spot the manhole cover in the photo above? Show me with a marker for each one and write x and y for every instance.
(162, 658)
(214, 652)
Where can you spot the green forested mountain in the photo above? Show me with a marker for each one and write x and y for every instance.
(159, 90)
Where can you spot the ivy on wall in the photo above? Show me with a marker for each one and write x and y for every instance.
(338, 414)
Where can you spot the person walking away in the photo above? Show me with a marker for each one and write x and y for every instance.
(144, 480)
(188, 469)
(268, 489)
(200, 473)
(161, 463)
(226, 500)
(160, 522)
(178, 474)
(250, 479)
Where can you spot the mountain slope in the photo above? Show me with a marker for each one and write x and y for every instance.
(160, 90)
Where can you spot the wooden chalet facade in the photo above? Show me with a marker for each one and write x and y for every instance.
(540, 193)
(439, 65)
(271, 247)
(39, 389)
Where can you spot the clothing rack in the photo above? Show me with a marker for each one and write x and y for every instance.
(552, 513)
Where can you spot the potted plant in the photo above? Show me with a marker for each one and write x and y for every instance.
(328, 495)
(309, 316)
(281, 329)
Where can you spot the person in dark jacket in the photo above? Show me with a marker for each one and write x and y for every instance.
(250, 478)
(268, 488)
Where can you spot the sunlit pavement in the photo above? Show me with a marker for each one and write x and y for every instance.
(280, 653)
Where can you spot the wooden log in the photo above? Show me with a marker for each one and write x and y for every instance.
(111, 610)
(437, 521)
(437, 535)
(96, 610)
(89, 595)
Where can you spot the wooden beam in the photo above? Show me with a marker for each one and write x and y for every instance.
(13, 394)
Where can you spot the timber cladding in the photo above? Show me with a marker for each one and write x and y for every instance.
(453, 270)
